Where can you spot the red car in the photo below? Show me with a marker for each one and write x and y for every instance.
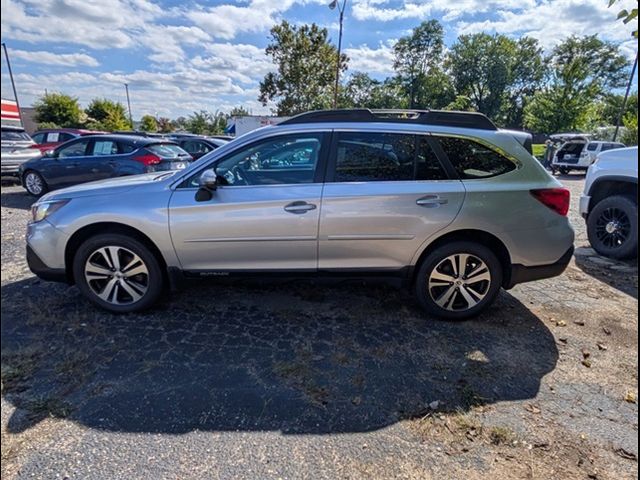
(50, 138)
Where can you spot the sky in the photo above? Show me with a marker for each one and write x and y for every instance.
(180, 57)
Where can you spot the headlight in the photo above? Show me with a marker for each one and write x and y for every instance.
(40, 211)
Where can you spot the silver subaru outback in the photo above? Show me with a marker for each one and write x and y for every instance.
(444, 201)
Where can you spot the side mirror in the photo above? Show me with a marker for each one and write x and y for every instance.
(208, 183)
(50, 153)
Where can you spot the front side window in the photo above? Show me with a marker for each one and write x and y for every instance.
(65, 137)
(77, 149)
(474, 160)
(288, 159)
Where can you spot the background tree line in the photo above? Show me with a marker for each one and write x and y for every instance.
(514, 82)
(58, 110)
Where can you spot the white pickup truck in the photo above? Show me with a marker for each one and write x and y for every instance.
(609, 203)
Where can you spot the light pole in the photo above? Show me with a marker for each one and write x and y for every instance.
(332, 6)
(126, 88)
(13, 84)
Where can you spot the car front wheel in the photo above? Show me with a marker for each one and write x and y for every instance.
(34, 184)
(612, 227)
(458, 280)
(118, 273)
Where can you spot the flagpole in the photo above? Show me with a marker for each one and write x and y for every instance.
(13, 84)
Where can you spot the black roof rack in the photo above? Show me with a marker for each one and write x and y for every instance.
(443, 118)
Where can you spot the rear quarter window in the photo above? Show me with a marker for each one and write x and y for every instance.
(472, 160)
(166, 150)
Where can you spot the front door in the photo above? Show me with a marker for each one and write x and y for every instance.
(69, 164)
(386, 194)
(263, 217)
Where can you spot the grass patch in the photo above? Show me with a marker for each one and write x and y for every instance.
(18, 367)
(501, 435)
(43, 407)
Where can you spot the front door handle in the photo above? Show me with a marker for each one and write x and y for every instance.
(431, 201)
(299, 207)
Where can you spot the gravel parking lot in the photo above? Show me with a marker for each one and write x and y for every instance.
(305, 380)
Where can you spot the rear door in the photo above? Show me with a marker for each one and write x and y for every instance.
(385, 195)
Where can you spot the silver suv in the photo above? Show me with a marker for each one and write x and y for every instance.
(444, 201)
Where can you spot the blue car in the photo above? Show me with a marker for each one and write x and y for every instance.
(97, 157)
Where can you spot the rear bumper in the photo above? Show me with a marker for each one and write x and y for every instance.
(522, 274)
(38, 267)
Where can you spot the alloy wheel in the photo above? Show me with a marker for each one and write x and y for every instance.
(613, 227)
(459, 282)
(33, 183)
(116, 275)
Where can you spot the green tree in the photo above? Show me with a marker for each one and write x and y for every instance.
(527, 71)
(198, 122)
(630, 135)
(362, 91)
(627, 15)
(306, 68)
(583, 70)
(148, 123)
(611, 104)
(239, 112)
(107, 115)
(58, 109)
(165, 125)
(417, 60)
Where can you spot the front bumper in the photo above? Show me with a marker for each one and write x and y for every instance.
(584, 205)
(38, 267)
(522, 274)
(10, 169)
(45, 251)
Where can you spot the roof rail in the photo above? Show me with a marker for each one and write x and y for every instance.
(443, 118)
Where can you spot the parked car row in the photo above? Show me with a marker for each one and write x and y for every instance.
(578, 152)
(56, 158)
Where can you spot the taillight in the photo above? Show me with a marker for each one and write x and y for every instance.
(148, 159)
(557, 199)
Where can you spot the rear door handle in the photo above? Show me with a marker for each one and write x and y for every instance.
(299, 207)
(431, 201)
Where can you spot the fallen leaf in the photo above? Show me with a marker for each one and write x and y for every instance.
(602, 346)
(561, 323)
(532, 408)
(630, 397)
(606, 330)
(586, 362)
(579, 322)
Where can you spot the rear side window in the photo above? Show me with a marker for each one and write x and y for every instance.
(473, 160)
(370, 157)
(105, 147)
(592, 147)
(39, 137)
(166, 150)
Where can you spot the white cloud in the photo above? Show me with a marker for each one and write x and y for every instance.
(554, 20)
(227, 21)
(371, 60)
(60, 59)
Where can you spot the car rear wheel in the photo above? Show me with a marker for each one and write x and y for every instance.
(612, 227)
(34, 184)
(458, 280)
(118, 273)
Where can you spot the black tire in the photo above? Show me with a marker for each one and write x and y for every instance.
(622, 242)
(564, 171)
(434, 262)
(29, 185)
(154, 277)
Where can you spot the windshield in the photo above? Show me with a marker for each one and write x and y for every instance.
(15, 136)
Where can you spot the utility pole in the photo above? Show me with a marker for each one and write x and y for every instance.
(13, 84)
(126, 88)
(626, 97)
(333, 5)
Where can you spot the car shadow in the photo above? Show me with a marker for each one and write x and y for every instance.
(622, 275)
(296, 357)
(21, 200)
